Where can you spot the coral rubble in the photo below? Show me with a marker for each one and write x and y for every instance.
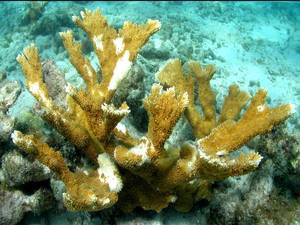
(132, 172)
(33, 11)
(14, 204)
(9, 91)
(18, 170)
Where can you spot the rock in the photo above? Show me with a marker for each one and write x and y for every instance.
(18, 170)
(239, 203)
(9, 91)
(6, 126)
(14, 204)
(55, 82)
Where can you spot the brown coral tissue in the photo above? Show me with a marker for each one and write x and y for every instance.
(141, 172)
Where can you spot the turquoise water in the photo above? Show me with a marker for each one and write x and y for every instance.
(253, 44)
(250, 40)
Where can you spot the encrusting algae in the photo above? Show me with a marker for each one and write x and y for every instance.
(142, 173)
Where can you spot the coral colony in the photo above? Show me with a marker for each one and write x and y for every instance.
(131, 172)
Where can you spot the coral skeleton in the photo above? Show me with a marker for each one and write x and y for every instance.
(131, 172)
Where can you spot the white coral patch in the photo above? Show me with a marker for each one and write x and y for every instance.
(292, 108)
(65, 33)
(70, 89)
(88, 70)
(159, 87)
(122, 67)
(257, 161)
(67, 197)
(46, 169)
(93, 198)
(142, 150)
(106, 201)
(98, 42)
(185, 99)
(119, 44)
(191, 163)
(208, 158)
(108, 173)
(110, 109)
(82, 14)
(34, 88)
(221, 162)
(192, 182)
(261, 108)
(155, 22)
(173, 198)
(221, 153)
(75, 18)
(19, 57)
(171, 90)
(121, 127)
(17, 138)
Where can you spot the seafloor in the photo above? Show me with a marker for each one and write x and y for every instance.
(253, 44)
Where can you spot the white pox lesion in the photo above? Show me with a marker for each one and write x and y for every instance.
(192, 163)
(108, 173)
(105, 201)
(185, 99)
(82, 14)
(75, 18)
(256, 162)
(122, 67)
(98, 42)
(261, 108)
(156, 23)
(70, 90)
(88, 70)
(170, 91)
(119, 45)
(210, 159)
(221, 153)
(93, 198)
(17, 139)
(142, 150)
(121, 128)
(173, 198)
(35, 89)
(110, 109)
(292, 108)
(16, 136)
(66, 34)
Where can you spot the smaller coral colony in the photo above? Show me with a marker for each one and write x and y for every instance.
(140, 172)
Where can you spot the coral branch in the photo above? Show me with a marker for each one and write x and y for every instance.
(65, 123)
(258, 119)
(92, 192)
(164, 110)
(32, 68)
(207, 98)
(90, 117)
(172, 75)
(81, 63)
(233, 104)
(115, 50)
